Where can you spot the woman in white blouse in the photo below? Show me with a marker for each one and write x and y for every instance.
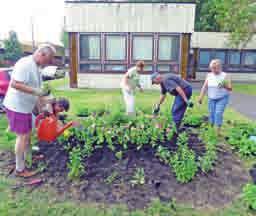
(219, 86)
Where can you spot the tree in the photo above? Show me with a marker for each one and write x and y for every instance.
(12, 47)
(235, 16)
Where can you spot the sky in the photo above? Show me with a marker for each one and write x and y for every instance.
(47, 16)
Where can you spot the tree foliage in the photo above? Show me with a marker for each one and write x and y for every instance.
(12, 47)
(235, 16)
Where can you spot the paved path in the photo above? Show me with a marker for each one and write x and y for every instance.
(243, 103)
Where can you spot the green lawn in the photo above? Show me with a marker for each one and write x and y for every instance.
(45, 202)
(245, 88)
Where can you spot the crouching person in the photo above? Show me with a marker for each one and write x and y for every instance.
(54, 107)
(177, 87)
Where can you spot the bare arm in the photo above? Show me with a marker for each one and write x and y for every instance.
(22, 87)
(182, 93)
(162, 99)
(228, 85)
(203, 90)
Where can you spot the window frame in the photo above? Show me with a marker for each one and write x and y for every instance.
(107, 61)
(159, 61)
(149, 35)
(81, 61)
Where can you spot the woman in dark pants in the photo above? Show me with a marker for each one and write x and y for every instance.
(177, 87)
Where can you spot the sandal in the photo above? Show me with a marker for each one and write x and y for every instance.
(25, 173)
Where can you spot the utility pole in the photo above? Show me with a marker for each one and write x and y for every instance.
(32, 33)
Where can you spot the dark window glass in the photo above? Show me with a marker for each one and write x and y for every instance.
(220, 55)
(163, 68)
(234, 58)
(90, 67)
(115, 47)
(250, 58)
(168, 48)
(142, 48)
(115, 67)
(90, 47)
(204, 58)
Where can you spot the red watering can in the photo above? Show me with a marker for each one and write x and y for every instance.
(48, 129)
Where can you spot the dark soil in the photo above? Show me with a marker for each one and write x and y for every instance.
(212, 190)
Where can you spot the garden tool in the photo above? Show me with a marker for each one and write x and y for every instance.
(33, 182)
(156, 109)
(48, 128)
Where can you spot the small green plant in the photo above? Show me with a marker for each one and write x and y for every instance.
(249, 196)
(138, 177)
(119, 155)
(193, 120)
(83, 112)
(110, 179)
(183, 161)
(76, 168)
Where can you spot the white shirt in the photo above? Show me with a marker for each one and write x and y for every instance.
(26, 71)
(133, 79)
(214, 92)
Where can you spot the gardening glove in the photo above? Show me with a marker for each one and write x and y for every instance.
(156, 109)
(190, 104)
(41, 92)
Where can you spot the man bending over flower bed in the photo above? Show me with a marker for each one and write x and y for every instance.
(177, 87)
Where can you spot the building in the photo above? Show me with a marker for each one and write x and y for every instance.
(239, 62)
(107, 37)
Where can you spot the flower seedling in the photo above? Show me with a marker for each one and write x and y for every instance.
(138, 177)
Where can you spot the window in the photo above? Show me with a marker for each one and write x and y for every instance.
(148, 68)
(90, 47)
(234, 58)
(90, 67)
(115, 48)
(168, 48)
(163, 68)
(204, 58)
(143, 48)
(115, 68)
(249, 58)
(220, 55)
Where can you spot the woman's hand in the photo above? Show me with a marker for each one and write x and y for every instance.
(200, 100)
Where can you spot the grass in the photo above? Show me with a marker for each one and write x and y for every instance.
(43, 201)
(249, 89)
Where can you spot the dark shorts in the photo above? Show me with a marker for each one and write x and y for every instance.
(20, 123)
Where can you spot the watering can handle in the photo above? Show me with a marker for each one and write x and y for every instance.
(38, 119)
(65, 127)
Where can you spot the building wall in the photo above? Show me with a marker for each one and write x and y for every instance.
(109, 81)
(216, 40)
(130, 17)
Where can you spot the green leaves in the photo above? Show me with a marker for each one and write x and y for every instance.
(76, 168)
(249, 195)
(138, 177)
(238, 137)
(183, 161)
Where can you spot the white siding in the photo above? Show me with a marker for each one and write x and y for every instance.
(130, 17)
(216, 40)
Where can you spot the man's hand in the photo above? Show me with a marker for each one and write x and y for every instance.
(156, 109)
(190, 104)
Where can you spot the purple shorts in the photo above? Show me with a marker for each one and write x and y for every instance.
(20, 123)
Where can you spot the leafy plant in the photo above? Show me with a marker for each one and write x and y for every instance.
(83, 112)
(110, 179)
(183, 161)
(76, 168)
(119, 155)
(138, 177)
(193, 120)
(249, 195)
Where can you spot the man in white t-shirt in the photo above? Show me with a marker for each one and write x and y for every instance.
(22, 95)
